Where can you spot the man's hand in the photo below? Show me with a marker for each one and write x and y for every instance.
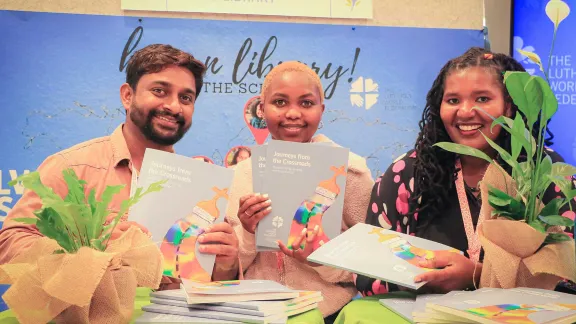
(220, 240)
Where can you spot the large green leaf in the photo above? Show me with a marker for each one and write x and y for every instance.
(102, 209)
(518, 131)
(32, 182)
(543, 172)
(517, 141)
(538, 226)
(560, 169)
(26, 220)
(503, 153)
(50, 225)
(557, 220)
(516, 84)
(535, 97)
(552, 207)
(550, 103)
(75, 187)
(556, 238)
(565, 186)
(463, 150)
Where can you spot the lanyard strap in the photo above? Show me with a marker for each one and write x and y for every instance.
(474, 245)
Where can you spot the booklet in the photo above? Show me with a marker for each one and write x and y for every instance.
(306, 184)
(195, 196)
(402, 306)
(517, 305)
(398, 254)
(165, 318)
(258, 159)
(212, 315)
(257, 307)
(235, 291)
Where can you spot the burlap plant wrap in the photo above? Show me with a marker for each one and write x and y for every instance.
(89, 286)
(513, 252)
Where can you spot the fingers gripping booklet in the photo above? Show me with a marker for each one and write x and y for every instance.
(378, 253)
(194, 197)
(306, 184)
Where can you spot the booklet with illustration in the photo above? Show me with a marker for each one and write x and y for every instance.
(194, 197)
(306, 184)
(398, 254)
(517, 305)
(235, 291)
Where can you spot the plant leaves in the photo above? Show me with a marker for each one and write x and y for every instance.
(561, 169)
(517, 140)
(552, 207)
(75, 187)
(557, 11)
(543, 172)
(26, 220)
(557, 220)
(556, 238)
(102, 210)
(51, 225)
(538, 226)
(503, 154)
(516, 83)
(565, 186)
(518, 132)
(498, 197)
(463, 150)
(549, 102)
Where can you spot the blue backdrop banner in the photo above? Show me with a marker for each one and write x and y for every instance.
(61, 75)
(533, 31)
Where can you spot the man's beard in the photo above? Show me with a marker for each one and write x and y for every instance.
(144, 123)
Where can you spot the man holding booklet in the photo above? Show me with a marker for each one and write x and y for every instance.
(162, 85)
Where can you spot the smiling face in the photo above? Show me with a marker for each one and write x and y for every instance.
(162, 104)
(468, 88)
(292, 107)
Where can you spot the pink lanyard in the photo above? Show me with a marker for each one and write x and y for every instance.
(474, 245)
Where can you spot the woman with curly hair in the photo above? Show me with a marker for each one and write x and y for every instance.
(432, 193)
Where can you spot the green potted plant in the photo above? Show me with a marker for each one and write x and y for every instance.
(523, 237)
(75, 273)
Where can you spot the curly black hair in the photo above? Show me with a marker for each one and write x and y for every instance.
(434, 168)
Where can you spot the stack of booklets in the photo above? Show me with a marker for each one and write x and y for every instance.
(240, 301)
(306, 183)
(398, 254)
(487, 305)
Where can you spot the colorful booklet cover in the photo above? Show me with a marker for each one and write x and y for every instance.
(306, 184)
(398, 254)
(194, 197)
(235, 290)
(517, 305)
